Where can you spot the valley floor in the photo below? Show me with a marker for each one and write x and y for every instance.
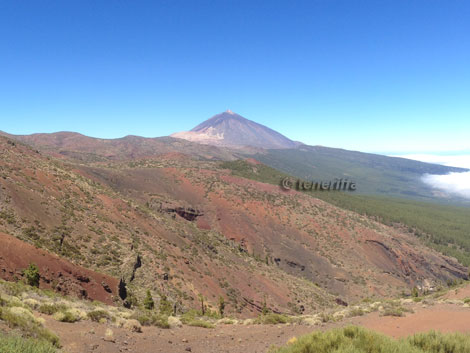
(84, 337)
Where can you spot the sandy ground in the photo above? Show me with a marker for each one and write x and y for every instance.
(87, 337)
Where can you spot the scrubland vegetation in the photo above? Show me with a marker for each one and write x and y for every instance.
(354, 339)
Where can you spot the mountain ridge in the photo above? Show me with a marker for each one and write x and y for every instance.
(227, 136)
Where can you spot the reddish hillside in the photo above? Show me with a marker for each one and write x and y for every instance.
(89, 149)
(55, 273)
(185, 227)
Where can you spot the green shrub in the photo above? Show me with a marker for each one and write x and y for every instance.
(193, 318)
(354, 339)
(395, 311)
(165, 307)
(393, 308)
(27, 324)
(97, 315)
(324, 317)
(221, 306)
(151, 319)
(13, 288)
(16, 344)
(436, 342)
(51, 309)
(31, 275)
(356, 312)
(265, 309)
(272, 319)
(149, 304)
(66, 316)
(466, 300)
(199, 323)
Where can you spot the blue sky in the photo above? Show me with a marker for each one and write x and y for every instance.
(380, 76)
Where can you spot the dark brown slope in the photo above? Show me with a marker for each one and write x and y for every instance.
(56, 273)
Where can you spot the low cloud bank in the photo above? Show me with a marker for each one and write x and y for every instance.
(462, 160)
(454, 183)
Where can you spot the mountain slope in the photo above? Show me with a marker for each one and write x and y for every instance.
(184, 227)
(373, 174)
(440, 226)
(231, 129)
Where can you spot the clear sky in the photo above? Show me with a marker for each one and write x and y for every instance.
(381, 75)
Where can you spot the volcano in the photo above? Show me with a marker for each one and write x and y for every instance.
(232, 130)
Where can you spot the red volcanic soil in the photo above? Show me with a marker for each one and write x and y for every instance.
(65, 277)
(253, 161)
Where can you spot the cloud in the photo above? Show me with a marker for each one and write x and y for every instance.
(462, 160)
(454, 183)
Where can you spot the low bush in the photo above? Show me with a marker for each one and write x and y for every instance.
(16, 344)
(199, 323)
(148, 318)
(436, 342)
(354, 339)
(98, 315)
(66, 316)
(356, 312)
(23, 320)
(272, 319)
(395, 309)
(194, 318)
(133, 325)
(324, 317)
(51, 309)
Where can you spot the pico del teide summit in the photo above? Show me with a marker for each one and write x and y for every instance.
(232, 130)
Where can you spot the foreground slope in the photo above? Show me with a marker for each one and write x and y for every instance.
(445, 311)
(184, 227)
